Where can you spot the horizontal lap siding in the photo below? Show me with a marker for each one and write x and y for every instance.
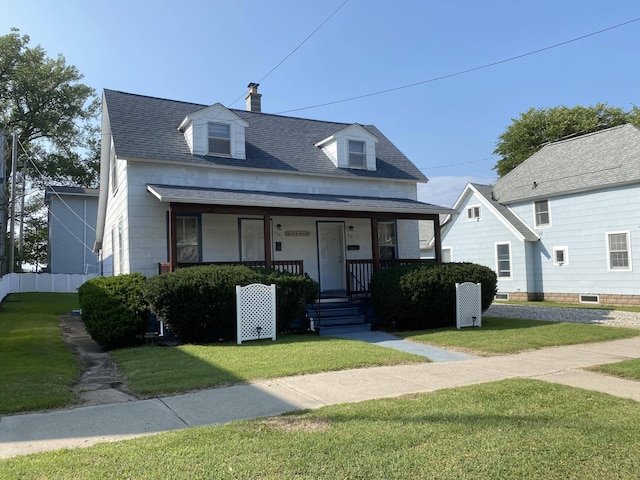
(580, 223)
(474, 241)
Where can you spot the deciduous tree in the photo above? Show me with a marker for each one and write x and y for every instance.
(539, 126)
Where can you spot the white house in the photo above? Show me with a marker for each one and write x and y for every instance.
(72, 213)
(184, 184)
(562, 226)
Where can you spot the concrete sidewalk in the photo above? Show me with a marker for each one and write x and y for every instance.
(22, 434)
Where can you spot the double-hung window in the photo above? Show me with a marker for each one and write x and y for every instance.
(357, 154)
(618, 246)
(219, 139)
(542, 218)
(503, 260)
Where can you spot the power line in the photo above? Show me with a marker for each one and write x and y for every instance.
(462, 72)
(298, 46)
(53, 189)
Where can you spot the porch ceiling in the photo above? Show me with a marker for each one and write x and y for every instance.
(295, 201)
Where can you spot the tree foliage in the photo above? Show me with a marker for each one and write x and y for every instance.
(42, 99)
(538, 126)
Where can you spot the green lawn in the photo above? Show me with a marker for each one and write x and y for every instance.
(512, 429)
(155, 370)
(629, 369)
(37, 369)
(504, 335)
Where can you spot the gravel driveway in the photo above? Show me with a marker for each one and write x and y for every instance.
(611, 318)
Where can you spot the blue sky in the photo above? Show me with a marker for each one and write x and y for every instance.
(207, 51)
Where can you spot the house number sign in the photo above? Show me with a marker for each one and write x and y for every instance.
(297, 233)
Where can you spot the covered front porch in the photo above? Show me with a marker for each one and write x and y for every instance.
(340, 241)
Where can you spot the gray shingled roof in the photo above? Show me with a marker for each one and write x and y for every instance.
(594, 161)
(336, 203)
(146, 128)
(487, 192)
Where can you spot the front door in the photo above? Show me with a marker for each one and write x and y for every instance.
(331, 256)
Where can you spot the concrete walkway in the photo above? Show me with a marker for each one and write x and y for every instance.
(383, 339)
(22, 434)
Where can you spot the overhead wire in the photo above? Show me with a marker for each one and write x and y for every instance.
(297, 47)
(463, 72)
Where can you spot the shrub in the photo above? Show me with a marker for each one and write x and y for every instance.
(199, 303)
(421, 296)
(293, 293)
(113, 309)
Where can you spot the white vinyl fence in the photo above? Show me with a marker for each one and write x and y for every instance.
(41, 282)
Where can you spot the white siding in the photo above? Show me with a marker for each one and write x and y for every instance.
(145, 218)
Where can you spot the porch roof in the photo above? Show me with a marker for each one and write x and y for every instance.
(293, 201)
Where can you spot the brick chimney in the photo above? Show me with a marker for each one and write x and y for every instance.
(253, 98)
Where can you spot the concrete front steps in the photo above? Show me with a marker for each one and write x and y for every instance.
(335, 316)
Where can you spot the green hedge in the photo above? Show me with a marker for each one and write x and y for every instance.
(423, 296)
(113, 309)
(198, 304)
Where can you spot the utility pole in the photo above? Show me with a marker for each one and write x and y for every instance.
(3, 200)
(22, 197)
(12, 238)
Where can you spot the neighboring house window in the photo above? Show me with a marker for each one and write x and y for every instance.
(188, 239)
(473, 213)
(219, 139)
(542, 218)
(503, 259)
(619, 251)
(560, 255)
(446, 254)
(387, 240)
(357, 154)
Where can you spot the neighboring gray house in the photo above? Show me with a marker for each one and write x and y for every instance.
(72, 214)
(562, 226)
(184, 184)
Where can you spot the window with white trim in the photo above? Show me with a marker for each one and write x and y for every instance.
(560, 255)
(188, 239)
(542, 217)
(446, 254)
(619, 251)
(473, 212)
(357, 154)
(219, 138)
(503, 260)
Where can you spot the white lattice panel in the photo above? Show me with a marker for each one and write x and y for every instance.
(468, 305)
(256, 312)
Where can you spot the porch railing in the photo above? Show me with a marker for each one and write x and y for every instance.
(359, 272)
(291, 266)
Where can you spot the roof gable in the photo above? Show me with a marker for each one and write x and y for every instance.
(603, 159)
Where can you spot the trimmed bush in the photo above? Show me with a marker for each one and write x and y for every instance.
(198, 304)
(113, 309)
(423, 296)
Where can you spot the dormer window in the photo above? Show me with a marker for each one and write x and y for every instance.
(357, 154)
(215, 131)
(219, 139)
(352, 147)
